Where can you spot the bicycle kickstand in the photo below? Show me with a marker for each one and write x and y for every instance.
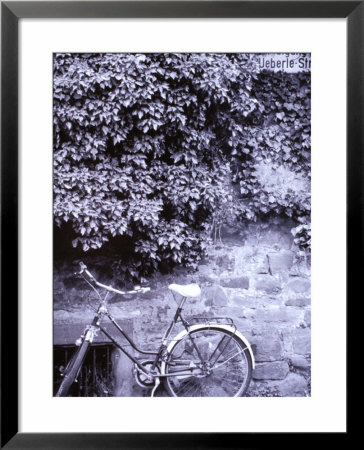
(157, 383)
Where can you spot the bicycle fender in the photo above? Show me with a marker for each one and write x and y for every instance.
(232, 330)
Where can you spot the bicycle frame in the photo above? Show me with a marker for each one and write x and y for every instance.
(159, 355)
(156, 366)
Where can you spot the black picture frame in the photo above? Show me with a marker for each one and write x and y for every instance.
(11, 12)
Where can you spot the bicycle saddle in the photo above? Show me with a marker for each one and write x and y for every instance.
(186, 290)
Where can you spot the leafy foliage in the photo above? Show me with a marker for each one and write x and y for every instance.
(302, 238)
(147, 146)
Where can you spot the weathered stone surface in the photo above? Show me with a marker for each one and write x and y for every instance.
(300, 301)
(280, 262)
(57, 283)
(245, 301)
(204, 268)
(274, 314)
(300, 269)
(244, 326)
(205, 274)
(67, 334)
(123, 382)
(279, 314)
(268, 284)
(225, 262)
(236, 282)
(249, 313)
(234, 232)
(301, 341)
(263, 267)
(293, 385)
(299, 285)
(300, 362)
(278, 235)
(277, 370)
(268, 347)
(207, 279)
(233, 311)
(60, 299)
(307, 317)
(215, 296)
(255, 301)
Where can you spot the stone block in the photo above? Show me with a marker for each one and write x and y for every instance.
(307, 317)
(205, 274)
(300, 269)
(293, 385)
(298, 341)
(204, 268)
(268, 347)
(241, 282)
(263, 267)
(279, 314)
(215, 296)
(301, 341)
(276, 370)
(266, 328)
(270, 300)
(244, 326)
(225, 262)
(233, 311)
(299, 285)
(300, 362)
(300, 301)
(268, 284)
(207, 279)
(280, 262)
(245, 301)
(256, 302)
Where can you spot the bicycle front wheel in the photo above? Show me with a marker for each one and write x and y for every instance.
(72, 369)
(219, 363)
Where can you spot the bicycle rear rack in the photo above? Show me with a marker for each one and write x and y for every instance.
(210, 321)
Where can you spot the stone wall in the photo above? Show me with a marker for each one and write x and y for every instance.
(250, 275)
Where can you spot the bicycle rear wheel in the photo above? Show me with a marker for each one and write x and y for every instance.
(221, 363)
(72, 369)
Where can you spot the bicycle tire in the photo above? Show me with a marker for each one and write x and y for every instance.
(72, 370)
(230, 374)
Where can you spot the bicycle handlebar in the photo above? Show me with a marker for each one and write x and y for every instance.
(136, 290)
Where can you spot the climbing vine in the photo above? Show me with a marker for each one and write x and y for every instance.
(151, 150)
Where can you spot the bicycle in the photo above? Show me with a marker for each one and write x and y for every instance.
(208, 358)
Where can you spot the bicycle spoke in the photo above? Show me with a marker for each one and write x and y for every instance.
(227, 376)
(191, 384)
(229, 358)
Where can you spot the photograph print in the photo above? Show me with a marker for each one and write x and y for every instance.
(182, 224)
